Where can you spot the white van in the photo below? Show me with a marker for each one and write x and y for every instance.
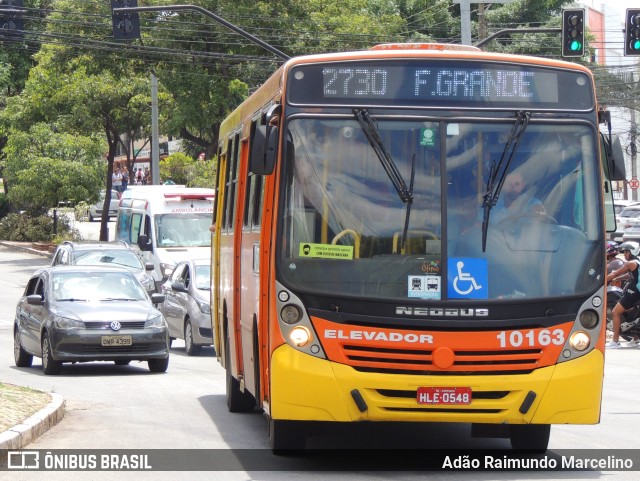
(168, 224)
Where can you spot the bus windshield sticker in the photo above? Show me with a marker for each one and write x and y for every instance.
(424, 287)
(468, 278)
(326, 251)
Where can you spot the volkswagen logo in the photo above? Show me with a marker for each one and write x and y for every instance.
(115, 325)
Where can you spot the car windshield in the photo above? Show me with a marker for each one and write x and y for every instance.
(183, 230)
(96, 286)
(349, 229)
(120, 257)
(630, 213)
(203, 277)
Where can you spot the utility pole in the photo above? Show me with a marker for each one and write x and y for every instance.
(465, 17)
(155, 142)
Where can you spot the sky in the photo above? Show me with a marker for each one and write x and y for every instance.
(620, 5)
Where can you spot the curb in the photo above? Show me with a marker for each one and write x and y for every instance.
(33, 427)
(25, 246)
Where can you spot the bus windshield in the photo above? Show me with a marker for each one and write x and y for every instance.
(183, 230)
(348, 232)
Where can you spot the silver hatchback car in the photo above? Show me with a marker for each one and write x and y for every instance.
(89, 313)
(186, 305)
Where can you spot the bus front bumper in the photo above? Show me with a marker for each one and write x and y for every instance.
(306, 388)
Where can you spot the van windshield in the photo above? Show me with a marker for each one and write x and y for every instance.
(183, 230)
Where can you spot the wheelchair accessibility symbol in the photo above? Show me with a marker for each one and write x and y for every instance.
(468, 278)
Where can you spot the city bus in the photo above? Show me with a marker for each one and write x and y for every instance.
(413, 233)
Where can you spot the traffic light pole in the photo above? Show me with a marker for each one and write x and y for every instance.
(209, 14)
(505, 31)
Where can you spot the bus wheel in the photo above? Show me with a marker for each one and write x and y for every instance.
(286, 437)
(531, 437)
(237, 401)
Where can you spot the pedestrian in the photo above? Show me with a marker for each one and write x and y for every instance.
(631, 294)
(117, 180)
(125, 179)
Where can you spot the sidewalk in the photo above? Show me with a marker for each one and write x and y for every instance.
(25, 414)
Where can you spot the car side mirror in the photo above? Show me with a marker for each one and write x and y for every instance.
(178, 287)
(157, 298)
(35, 300)
(144, 243)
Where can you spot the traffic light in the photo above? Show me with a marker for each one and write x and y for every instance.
(10, 22)
(126, 26)
(573, 32)
(632, 32)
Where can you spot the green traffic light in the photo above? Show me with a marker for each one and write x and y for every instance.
(575, 46)
(635, 44)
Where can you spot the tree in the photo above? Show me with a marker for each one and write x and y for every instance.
(44, 167)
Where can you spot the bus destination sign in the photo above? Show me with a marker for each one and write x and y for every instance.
(443, 83)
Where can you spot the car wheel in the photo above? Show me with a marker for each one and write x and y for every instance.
(49, 364)
(191, 348)
(158, 365)
(122, 362)
(22, 357)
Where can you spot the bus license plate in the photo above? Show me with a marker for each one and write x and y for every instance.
(117, 341)
(444, 395)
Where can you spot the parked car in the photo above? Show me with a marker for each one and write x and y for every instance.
(96, 209)
(186, 307)
(632, 230)
(100, 253)
(623, 221)
(89, 313)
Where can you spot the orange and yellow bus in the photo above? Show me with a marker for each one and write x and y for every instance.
(413, 233)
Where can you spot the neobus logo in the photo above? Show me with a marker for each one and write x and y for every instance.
(441, 312)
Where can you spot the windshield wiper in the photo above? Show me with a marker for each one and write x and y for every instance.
(498, 173)
(371, 131)
(71, 299)
(118, 299)
(405, 193)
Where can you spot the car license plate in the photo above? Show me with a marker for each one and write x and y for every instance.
(444, 395)
(117, 341)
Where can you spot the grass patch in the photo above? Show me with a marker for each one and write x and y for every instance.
(17, 403)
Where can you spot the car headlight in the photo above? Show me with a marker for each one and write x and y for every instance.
(205, 308)
(166, 269)
(148, 283)
(67, 323)
(156, 321)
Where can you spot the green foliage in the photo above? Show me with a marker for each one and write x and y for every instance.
(23, 228)
(183, 169)
(44, 168)
(176, 167)
(4, 205)
(204, 174)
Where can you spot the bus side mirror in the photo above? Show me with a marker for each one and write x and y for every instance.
(614, 156)
(264, 146)
(144, 243)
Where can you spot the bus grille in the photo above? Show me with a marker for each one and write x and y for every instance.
(420, 361)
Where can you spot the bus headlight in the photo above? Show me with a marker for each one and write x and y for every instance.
(589, 319)
(300, 336)
(290, 314)
(580, 340)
